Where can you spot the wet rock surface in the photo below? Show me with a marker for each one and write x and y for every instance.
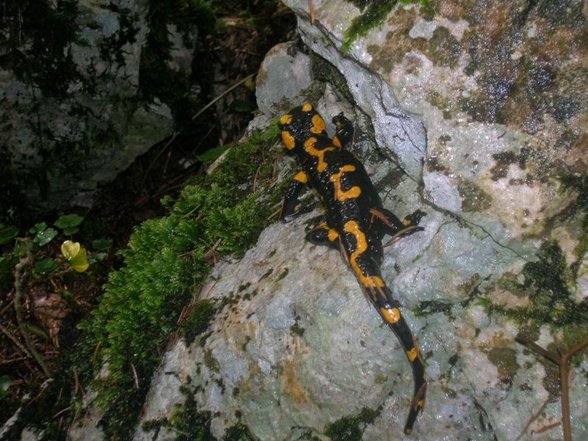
(73, 113)
(475, 114)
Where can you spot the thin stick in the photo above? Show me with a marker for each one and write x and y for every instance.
(562, 362)
(200, 112)
(533, 418)
(18, 270)
(311, 11)
(222, 95)
(135, 377)
(14, 340)
(565, 399)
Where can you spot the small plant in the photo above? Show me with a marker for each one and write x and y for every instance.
(76, 255)
(38, 272)
(4, 386)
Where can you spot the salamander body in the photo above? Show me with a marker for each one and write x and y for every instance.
(356, 221)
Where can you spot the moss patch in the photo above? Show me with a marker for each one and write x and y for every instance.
(198, 320)
(473, 197)
(351, 428)
(373, 14)
(546, 283)
(505, 360)
(165, 260)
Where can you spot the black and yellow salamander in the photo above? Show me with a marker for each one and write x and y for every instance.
(355, 223)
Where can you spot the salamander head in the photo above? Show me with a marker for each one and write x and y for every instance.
(299, 124)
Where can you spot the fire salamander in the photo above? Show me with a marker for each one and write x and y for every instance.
(355, 223)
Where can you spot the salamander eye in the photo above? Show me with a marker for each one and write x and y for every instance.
(307, 107)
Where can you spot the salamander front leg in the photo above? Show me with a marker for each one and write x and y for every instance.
(299, 183)
(344, 131)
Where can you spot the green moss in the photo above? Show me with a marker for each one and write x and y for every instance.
(326, 73)
(198, 320)
(579, 184)
(238, 432)
(189, 423)
(351, 428)
(296, 329)
(373, 15)
(211, 363)
(165, 259)
(429, 307)
(505, 360)
(545, 282)
(473, 197)
(444, 49)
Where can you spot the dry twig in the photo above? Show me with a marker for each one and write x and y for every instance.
(562, 361)
(18, 277)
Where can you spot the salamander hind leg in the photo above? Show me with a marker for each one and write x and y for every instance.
(394, 226)
(322, 234)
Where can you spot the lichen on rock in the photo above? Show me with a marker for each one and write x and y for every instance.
(475, 114)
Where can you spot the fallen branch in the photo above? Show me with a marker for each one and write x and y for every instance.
(562, 361)
(18, 276)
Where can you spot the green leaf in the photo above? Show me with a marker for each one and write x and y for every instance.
(5, 383)
(212, 154)
(100, 256)
(43, 237)
(70, 249)
(7, 233)
(69, 223)
(76, 255)
(80, 261)
(37, 330)
(101, 244)
(38, 227)
(45, 266)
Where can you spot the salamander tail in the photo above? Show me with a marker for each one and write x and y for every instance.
(389, 310)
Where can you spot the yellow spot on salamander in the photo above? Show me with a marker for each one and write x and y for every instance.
(333, 235)
(341, 195)
(391, 315)
(301, 177)
(360, 247)
(337, 142)
(285, 119)
(412, 355)
(318, 125)
(288, 140)
(307, 107)
(320, 154)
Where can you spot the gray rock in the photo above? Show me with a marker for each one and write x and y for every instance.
(283, 79)
(479, 121)
(63, 144)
